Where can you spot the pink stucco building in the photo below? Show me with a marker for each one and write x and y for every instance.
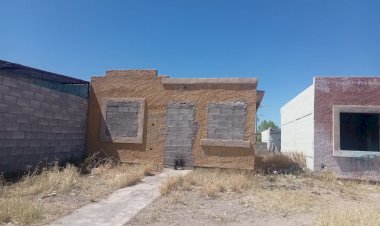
(336, 122)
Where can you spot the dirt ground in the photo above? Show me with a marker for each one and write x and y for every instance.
(265, 200)
(40, 198)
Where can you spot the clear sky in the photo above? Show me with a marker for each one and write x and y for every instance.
(283, 43)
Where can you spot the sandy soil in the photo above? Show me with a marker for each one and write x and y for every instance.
(285, 200)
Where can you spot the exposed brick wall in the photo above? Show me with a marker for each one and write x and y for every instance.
(38, 124)
(226, 121)
(330, 91)
(181, 129)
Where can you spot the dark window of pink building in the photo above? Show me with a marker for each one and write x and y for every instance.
(359, 131)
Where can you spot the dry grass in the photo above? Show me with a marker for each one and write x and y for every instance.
(209, 183)
(52, 179)
(280, 162)
(21, 202)
(172, 184)
(124, 175)
(18, 203)
(272, 193)
(364, 216)
(281, 201)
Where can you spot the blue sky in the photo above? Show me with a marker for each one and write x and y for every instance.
(283, 43)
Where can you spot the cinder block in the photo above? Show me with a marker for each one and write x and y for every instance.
(39, 97)
(45, 107)
(9, 82)
(27, 94)
(39, 112)
(43, 121)
(188, 117)
(58, 115)
(18, 135)
(4, 89)
(174, 117)
(179, 129)
(5, 135)
(132, 133)
(25, 126)
(23, 102)
(35, 143)
(9, 143)
(4, 152)
(27, 110)
(10, 100)
(3, 108)
(128, 109)
(16, 151)
(239, 112)
(11, 126)
(55, 108)
(49, 115)
(46, 92)
(185, 142)
(9, 118)
(213, 110)
(14, 109)
(226, 111)
(15, 92)
(34, 104)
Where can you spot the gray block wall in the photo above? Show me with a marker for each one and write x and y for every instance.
(38, 124)
(226, 121)
(122, 119)
(181, 129)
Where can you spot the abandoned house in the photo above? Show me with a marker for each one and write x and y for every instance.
(137, 116)
(335, 123)
(42, 117)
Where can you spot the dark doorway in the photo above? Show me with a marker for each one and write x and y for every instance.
(359, 131)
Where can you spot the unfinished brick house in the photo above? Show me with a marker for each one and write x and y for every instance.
(137, 116)
(335, 123)
(42, 117)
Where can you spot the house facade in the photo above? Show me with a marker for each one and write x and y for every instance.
(138, 116)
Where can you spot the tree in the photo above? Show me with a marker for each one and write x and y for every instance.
(264, 125)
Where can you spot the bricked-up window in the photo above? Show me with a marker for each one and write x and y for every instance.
(359, 131)
(226, 121)
(122, 120)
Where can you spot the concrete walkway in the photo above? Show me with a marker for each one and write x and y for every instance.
(120, 206)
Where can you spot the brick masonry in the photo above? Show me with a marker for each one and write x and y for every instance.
(226, 121)
(181, 129)
(38, 124)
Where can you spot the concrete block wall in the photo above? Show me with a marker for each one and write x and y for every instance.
(181, 129)
(38, 124)
(226, 121)
(122, 119)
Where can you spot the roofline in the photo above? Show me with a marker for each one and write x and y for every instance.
(13, 69)
(222, 83)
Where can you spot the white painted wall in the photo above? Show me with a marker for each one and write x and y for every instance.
(273, 139)
(265, 136)
(297, 125)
